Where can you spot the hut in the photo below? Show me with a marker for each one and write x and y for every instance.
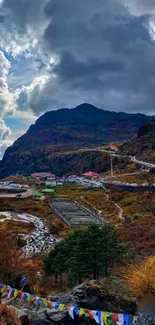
(38, 196)
(48, 191)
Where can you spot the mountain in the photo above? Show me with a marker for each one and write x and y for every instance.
(143, 146)
(67, 129)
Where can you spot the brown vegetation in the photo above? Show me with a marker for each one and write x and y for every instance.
(40, 209)
(9, 256)
(138, 233)
(140, 278)
(17, 227)
(8, 316)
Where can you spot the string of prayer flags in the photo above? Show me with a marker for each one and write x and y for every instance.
(100, 317)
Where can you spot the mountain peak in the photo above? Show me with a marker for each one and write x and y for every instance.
(65, 130)
(87, 107)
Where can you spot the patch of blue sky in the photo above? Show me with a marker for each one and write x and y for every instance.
(22, 72)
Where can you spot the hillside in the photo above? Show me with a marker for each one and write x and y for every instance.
(70, 162)
(67, 129)
(143, 146)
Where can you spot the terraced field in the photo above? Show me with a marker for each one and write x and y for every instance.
(74, 214)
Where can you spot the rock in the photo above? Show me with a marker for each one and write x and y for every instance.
(83, 296)
(144, 319)
(87, 297)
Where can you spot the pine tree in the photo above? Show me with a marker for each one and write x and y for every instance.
(87, 253)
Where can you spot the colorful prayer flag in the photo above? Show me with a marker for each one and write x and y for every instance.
(71, 311)
(23, 281)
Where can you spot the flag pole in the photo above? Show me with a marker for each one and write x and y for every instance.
(111, 163)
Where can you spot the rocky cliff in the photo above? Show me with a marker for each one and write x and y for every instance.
(143, 146)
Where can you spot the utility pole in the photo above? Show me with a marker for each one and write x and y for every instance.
(111, 163)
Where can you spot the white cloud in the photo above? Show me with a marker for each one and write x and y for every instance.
(22, 27)
(5, 133)
(28, 97)
(7, 98)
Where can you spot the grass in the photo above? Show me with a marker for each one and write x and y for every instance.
(19, 180)
(2, 217)
(17, 227)
(138, 178)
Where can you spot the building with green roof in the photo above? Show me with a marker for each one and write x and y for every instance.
(48, 191)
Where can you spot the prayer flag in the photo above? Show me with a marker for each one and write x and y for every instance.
(115, 317)
(23, 281)
(51, 305)
(109, 318)
(61, 307)
(71, 311)
(105, 318)
(56, 305)
(127, 319)
(120, 319)
(81, 312)
(95, 316)
(16, 293)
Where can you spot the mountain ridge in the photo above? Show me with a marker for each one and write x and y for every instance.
(143, 146)
(68, 129)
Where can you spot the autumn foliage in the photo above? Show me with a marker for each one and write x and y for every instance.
(9, 256)
(140, 278)
(13, 264)
(31, 268)
(8, 316)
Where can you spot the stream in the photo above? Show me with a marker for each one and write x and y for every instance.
(37, 241)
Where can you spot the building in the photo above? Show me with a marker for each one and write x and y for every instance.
(38, 196)
(51, 183)
(42, 175)
(91, 175)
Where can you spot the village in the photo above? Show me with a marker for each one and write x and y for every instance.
(60, 195)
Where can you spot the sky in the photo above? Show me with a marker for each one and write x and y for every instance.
(60, 53)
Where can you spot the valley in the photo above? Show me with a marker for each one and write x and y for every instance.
(79, 214)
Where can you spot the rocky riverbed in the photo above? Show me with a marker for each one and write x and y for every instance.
(37, 241)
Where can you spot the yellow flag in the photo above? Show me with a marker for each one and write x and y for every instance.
(29, 298)
(15, 293)
(3, 289)
(61, 307)
(105, 318)
(81, 311)
(44, 301)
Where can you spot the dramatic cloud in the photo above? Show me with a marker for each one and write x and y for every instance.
(22, 24)
(106, 57)
(5, 132)
(7, 99)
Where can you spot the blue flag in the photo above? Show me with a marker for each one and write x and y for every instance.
(23, 281)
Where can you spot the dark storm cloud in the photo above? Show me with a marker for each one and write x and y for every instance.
(24, 12)
(71, 68)
(102, 46)
(104, 50)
